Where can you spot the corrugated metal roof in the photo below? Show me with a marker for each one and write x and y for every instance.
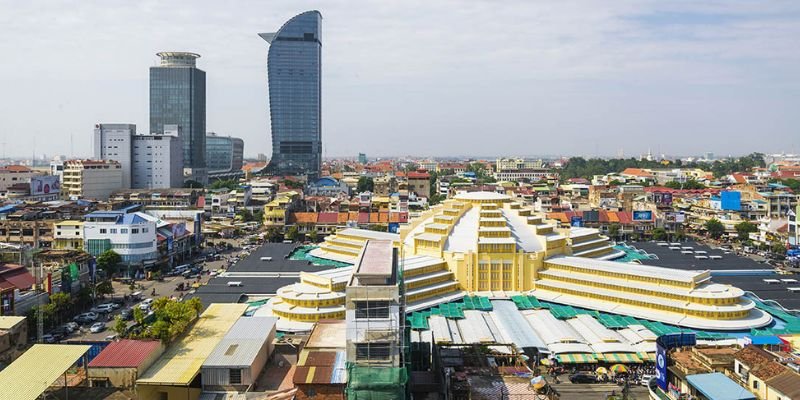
(8, 321)
(240, 346)
(183, 359)
(45, 362)
(125, 353)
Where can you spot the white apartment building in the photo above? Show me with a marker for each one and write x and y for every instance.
(13, 174)
(113, 142)
(157, 162)
(91, 179)
(132, 235)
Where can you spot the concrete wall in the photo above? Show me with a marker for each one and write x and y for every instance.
(116, 377)
(319, 392)
(153, 392)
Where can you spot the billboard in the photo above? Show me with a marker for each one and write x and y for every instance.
(731, 200)
(48, 184)
(677, 217)
(642, 215)
(661, 367)
(664, 344)
(394, 227)
(576, 221)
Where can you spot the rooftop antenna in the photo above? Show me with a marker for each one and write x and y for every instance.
(71, 150)
(33, 160)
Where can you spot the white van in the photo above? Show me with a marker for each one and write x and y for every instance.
(266, 258)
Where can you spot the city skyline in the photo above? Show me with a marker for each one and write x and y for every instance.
(546, 78)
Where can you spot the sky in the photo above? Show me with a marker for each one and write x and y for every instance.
(424, 78)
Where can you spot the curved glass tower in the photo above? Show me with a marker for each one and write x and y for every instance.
(294, 72)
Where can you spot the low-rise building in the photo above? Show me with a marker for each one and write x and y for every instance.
(68, 235)
(240, 356)
(13, 337)
(156, 162)
(419, 182)
(13, 174)
(120, 363)
(320, 371)
(91, 179)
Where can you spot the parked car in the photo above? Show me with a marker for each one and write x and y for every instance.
(126, 314)
(645, 379)
(103, 308)
(582, 378)
(145, 305)
(86, 317)
(71, 327)
(49, 339)
(97, 327)
(111, 337)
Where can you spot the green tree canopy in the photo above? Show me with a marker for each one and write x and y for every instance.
(744, 229)
(714, 228)
(292, 234)
(365, 184)
(659, 234)
(109, 262)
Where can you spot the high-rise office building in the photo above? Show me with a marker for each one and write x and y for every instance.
(178, 97)
(113, 142)
(223, 153)
(157, 161)
(294, 63)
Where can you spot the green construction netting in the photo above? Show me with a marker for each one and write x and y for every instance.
(567, 312)
(376, 383)
(419, 321)
(792, 321)
(477, 303)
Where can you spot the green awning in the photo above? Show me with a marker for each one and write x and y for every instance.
(576, 358)
(622, 358)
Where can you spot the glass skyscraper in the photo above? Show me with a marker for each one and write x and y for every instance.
(224, 153)
(178, 97)
(294, 63)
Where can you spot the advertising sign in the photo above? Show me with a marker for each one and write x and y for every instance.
(661, 367)
(178, 229)
(731, 200)
(394, 227)
(48, 184)
(576, 221)
(642, 215)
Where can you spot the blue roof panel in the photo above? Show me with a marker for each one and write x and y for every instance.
(717, 386)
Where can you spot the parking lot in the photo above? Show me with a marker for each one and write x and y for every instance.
(151, 289)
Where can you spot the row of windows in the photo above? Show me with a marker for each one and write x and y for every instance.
(644, 304)
(314, 303)
(621, 275)
(644, 291)
(309, 317)
(124, 230)
(125, 246)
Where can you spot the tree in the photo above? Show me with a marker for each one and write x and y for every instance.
(744, 229)
(109, 262)
(60, 304)
(245, 214)
(313, 236)
(104, 288)
(690, 184)
(778, 248)
(192, 184)
(714, 228)
(292, 234)
(138, 316)
(365, 184)
(659, 234)
(120, 326)
(613, 231)
(229, 184)
(272, 234)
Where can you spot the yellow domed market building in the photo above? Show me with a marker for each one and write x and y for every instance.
(488, 244)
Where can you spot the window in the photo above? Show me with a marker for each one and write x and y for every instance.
(372, 309)
(235, 376)
(373, 351)
(755, 384)
(123, 230)
(163, 396)
(102, 230)
(144, 230)
(134, 230)
(113, 230)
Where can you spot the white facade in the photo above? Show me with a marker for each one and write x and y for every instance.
(13, 174)
(113, 142)
(131, 235)
(157, 162)
(90, 179)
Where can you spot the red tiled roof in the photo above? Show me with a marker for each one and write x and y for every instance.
(419, 175)
(403, 217)
(353, 216)
(15, 168)
(383, 217)
(373, 218)
(17, 276)
(624, 217)
(363, 218)
(342, 218)
(636, 172)
(394, 217)
(304, 217)
(125, 353)
(328, 218)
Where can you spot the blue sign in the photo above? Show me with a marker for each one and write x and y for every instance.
(642, 215)
(576, 221)
(661, 367)
(663, 344)
(731, 200)
(394, 227)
